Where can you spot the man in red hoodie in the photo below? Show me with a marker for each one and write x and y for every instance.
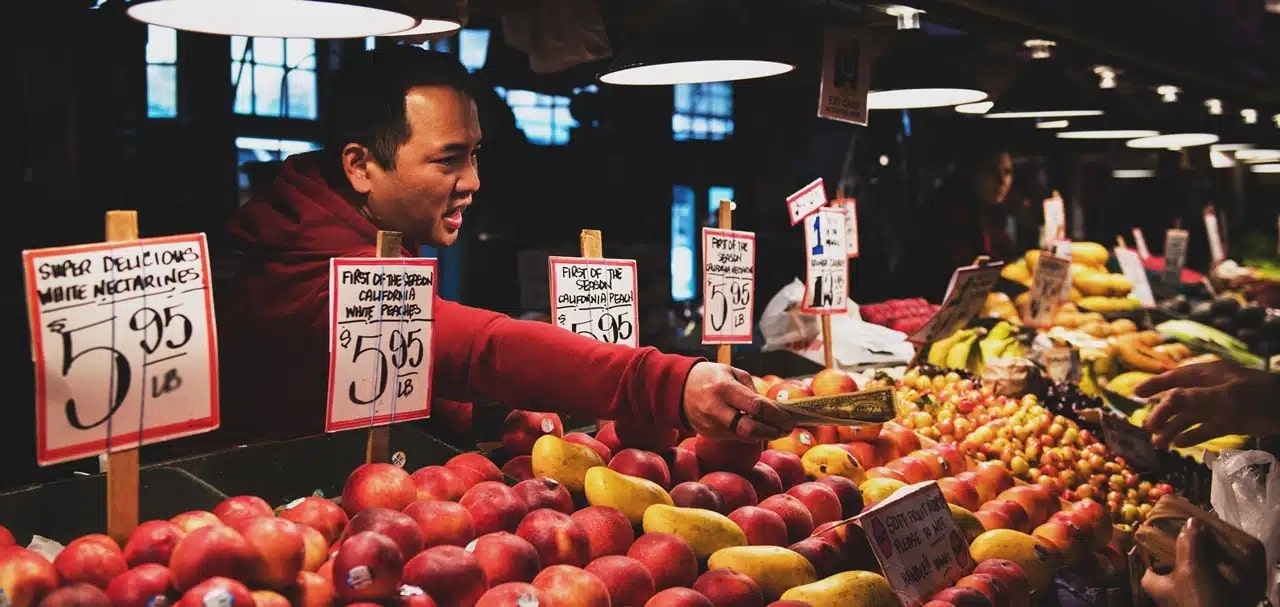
(403, 156)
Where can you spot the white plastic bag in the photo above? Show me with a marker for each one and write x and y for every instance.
(1246, 493)
(855, 344)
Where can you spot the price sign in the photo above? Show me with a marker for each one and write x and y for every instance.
(1046, 289)
(916, 541)
(846, 75)
(596, 298)
(380, 328)
(1133, 269)
(1130, 442)
(124, 345)
(966, 295)
(1175, 257)
(850, 205)
(728, 286)
(1217, 252)
(1141, 242)
(826, 266)
(807, 201)
(1055, 219)
(1062, 248)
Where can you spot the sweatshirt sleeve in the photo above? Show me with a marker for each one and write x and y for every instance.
(482, 355)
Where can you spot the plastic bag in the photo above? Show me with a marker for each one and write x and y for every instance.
(855, 343)
(1246, 493)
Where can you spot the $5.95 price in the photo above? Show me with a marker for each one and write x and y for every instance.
(608, 327)
(738, 298)
(403, 351)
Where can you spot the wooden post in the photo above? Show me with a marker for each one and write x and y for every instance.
(724, 352)
(122, 466)
(378, 448)
(591, 243)
(1120, 241)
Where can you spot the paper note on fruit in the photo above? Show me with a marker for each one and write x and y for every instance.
(826, 263)
(862, 407)
(380, 325)
(124, 345)
(728, 286)
(1131, 266)
(595, 298)
(1046, 289)
(965, 297)
(916, 540)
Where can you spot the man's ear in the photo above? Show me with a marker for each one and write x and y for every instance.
(356, 162)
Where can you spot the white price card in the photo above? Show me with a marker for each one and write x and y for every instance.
(1132, 268)
(728, 286)
(826, 283)
(1175, 257)
(381, 311)
(846, 74)
(596, 298)
(1217, 252)
(1140, 241)
(850, 205)
(917, 542)
(124, 344)
(1046, 289)
(807, 201)
(965, 297)
(1062, 248)
(1055, 219)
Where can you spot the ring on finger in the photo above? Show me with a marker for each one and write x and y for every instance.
(733, 423)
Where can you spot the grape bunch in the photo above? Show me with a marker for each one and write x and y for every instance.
(1066, 399)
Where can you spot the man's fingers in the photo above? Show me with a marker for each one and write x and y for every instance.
(1190, 376)
(747, 427)
(746, 399)
(1197, 434)
(1163, 437)
(1158, 587)
(1181, 402)
(1188, 547)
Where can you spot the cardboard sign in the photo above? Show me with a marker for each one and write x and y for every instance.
(728, 286)
(1062, 364)
(381, 316)
(124, 345)
(1130, 442)
(1046, 289)
(1141, 242)
(596, 298)
(917, 543)
(965, 297)
(850, 205)
(1217, 252)
(1132, 268)
(1055, 220)
(846, 75)
(1062, 248)
(1175, 257)
(826, 283)
(806, 201)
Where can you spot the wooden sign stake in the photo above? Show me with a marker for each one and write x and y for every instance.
(828, 350)
(122, 466)
(724, 352)
(378, 448)
(591, 246)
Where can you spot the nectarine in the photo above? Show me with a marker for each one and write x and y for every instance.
(378, 485)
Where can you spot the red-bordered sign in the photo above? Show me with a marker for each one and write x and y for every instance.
(807, 201)
(728, 286)
(596, 298)
(826, 268)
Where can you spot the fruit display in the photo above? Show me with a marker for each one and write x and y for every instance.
(1255, 327)
(999, 306)
(1093, 286)
(905, 315)
(971, 348)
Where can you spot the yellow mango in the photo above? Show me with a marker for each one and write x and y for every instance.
(705, 531)
(629, 494)
(563, 461)
(773, 568)
(861, 588)
(1038, 560)
(968, 524)
(875, 490)
(831, 460)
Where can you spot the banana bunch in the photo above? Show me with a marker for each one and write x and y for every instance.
(1204, 337)
(970, 348)
(1196, 452)
(1104, 303)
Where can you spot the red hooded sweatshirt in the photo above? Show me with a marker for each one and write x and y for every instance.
(274, 328)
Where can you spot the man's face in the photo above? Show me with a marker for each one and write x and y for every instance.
(435, 174)
(994, 179)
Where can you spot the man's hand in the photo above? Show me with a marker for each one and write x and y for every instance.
(1193, 582)
(721, 402)
(1222, 397)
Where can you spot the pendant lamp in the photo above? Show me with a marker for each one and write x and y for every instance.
(276, 18)
(435, 17)
(693, 41)
(921, 71)
(1183, 123)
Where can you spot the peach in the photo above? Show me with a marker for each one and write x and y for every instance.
(904, 439)
(885, 472)
(642, 464)
(1072, 542)
(913, 470)
(683, 464)
(728, 588)
(689, 443)
(608, 436)
(787, 465)
(141, 586)
(311, 590)
(269, 598)
(216, 591)
(991, 519)
(825, 435)
(679, 597)
(378, 486)
(830, 382)
(990, 587)
(865, 453)
(400, 527)
(544, 492)
(6, 537)
(960, 596)
(627, 579)
(698, 495)
(847, 491)
(983, 489)
(638, 435)
(519, 468)
(762, 527)
(25, 576)
(215, 550)
(367, 567)
(151, 542)
(438, 483)
(951, 454)
(92, 559)
(715, 455)
(494, 507)
(442, 523)
(315, 550)
(505, 557)
(938, 467)
(669, 559)
(608, 530)
(859, 432)
(560, 540)
(959, 492)
(765, 480)
(513, 593)
(736, 490)
(521, 429)
(1031, 498)
(1008, 573)
(194, 519)
(77, 595)
(449, 574)
(821, 500)
(319, 513)
(474, 468)
(787, 390)
(793, 513)
(570, 586)
(826, 558)
(586, 440)
(236, 511)
(281, 551)
(1012, 511)
(991, 478)
(796, 443)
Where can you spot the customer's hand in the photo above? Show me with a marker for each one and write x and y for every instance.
(1193, 582)
(721, 402)
(1222, 397)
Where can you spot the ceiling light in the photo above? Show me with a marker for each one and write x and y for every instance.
(1053, 124)
(1272, 6)
(1258, 155)
(1044, 114)
(276, 18)
(1276, 119)
(1265, 168)
(1040, 49)
(1172, 141)
(690, 72)
(980, 107)
(1214, 106)
(1108, 134)
(1133, 173)
(1219, 159)
(1106, 76)
(908, 17)
(1168, 93)
(910, 99)
(1249, 115)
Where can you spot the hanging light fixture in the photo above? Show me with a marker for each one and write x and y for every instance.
(276, 18)
(435, 17)
(1256, 155)
(1041, 90)
(1133, 173)
(920, 72)
(1172, 141)
(1272, 168)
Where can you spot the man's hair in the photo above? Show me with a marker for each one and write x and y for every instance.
(368, 96)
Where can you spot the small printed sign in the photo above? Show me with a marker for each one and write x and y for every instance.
(1175, 257)
(826, 266)
(728, 286)
(846, 75)
(1055, 220)
(596, 298)
(807, 201)
(1046, 289)
(916, 541)
(966, 295)
(1062, 248)
(851, 247)
(380, 347)
(1132, 268)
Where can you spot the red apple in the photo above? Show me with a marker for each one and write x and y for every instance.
(400, 527)
(697, 495)
(993, 477)
(570, 586)
(794, 514)
(762, 527)
(788, 466)
(505, 557)
(865, 453)
(474, 468)
(513, 593)
(494, 507)
(885, 472)
(281, 551)
(6, 537)
(367, 568)
(378, 486)
(439, 483)
(560, 540)
(1012, 511)
(866, 432)
(319, 513)
(636, 435)
(92, 559)
(959, 492)
(821, 500)
(642, 464)
(628, 580)
(141, 586)
(25, 576)
(830, 382)
(519, 467)
(765, 480)
(521, 429)
(214, 550)
(729, 455)
(442, 523)
(312, 590)
(586, 440)
(1009, 573)
(546, 493)
(216, 591)
(683, 465)
(952, 455)
(913, 470)
(608, 436)
(449, 574)
(960, 597)
(788, 390)
(194, 519)
(236, 511)
(848, 492)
